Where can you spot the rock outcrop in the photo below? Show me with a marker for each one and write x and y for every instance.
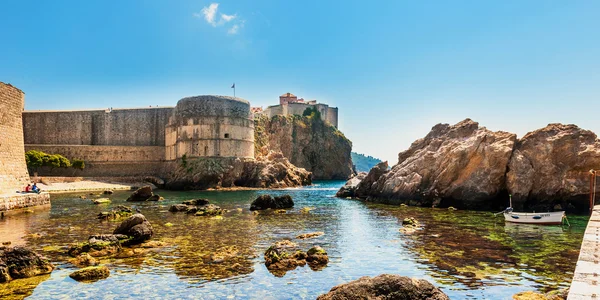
(308, 142)
(266, 202)
(385, 286)
(463, 162)
(20, 262)
(348, 189)
(269, 170)
(137, 228)
(551, 165)
(468, 166)
(284, 256)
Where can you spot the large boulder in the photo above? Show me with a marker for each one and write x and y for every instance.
(551, 165)
(20, 262)
(266, 202)
(462, 165)
(136, 227)
(141, 194)
(348, 189)
(385, 286)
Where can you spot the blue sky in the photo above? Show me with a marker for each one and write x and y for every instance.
(394, 68)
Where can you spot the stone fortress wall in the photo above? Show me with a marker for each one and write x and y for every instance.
(140, 142)
(13, 170)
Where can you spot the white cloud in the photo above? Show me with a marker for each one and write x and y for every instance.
(234, 29)
(227, 18)
(209, 13)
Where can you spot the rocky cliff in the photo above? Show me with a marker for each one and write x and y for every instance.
(469, 166)
(269, 170)
(307, 142)
(551, 166)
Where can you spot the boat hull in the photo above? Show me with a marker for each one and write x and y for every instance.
(547, 218)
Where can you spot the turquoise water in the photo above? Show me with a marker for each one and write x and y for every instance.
(469, 255)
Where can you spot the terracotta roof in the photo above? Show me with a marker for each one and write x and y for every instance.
(288, 95)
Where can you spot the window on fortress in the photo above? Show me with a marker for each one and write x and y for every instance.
(227, 135)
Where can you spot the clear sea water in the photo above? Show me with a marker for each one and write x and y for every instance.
(468, 254)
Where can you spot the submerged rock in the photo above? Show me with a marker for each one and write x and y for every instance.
(99, 245)
(84, 260)
(197, 202)
(91, 273)
(108, 192)
(120, 211)
(178, 207)
(101, 201)
(155, 197)
(20, 262)
(141, 194)
(317, 258)
(310, 235)
(136, 227)
(266, 202)
(209, 210)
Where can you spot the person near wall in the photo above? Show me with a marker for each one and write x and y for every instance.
(28, 188)
(35, 188)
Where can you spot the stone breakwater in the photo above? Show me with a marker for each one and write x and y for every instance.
(18, 201)
(468, 166)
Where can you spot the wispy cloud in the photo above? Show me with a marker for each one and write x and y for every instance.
(227, 18)
(209, 14)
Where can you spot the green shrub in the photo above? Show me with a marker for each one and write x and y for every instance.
(36, 159)
(78, 164)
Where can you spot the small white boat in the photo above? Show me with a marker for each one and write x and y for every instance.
(544, 218)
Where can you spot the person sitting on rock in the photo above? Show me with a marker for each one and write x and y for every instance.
(28, 188)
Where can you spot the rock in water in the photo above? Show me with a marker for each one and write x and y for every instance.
(266, 201)
(462, 163)
(348, 189)
(385, 286)
(20, 262)
(317, 258)
(155, 198)
(90, 273)
(84, 260)
(178, 207)
(101, 201)
(310, 235)
(198, 202)
(551, 164)
(142, 194)
(209, 210)
(136, 227)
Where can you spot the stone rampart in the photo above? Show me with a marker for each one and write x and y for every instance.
(114, 127)
(13, 170)
(17, 201)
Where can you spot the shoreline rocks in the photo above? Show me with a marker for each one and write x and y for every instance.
(470, 167)
(385, 286)
(20, 262)
(137, 228)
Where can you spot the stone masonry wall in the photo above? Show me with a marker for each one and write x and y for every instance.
(92, 154)
(117, 127)
(13, 171)
(17, 201)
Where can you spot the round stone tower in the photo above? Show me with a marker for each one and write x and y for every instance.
(210, 126)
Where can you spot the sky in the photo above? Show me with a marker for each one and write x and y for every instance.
(393, 68)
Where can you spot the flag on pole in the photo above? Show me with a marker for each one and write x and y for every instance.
(233, 86)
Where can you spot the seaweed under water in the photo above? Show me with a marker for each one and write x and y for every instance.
(469, 255)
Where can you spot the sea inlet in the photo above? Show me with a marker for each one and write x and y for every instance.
(468, 254)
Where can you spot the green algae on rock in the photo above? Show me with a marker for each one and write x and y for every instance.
(91, 273)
